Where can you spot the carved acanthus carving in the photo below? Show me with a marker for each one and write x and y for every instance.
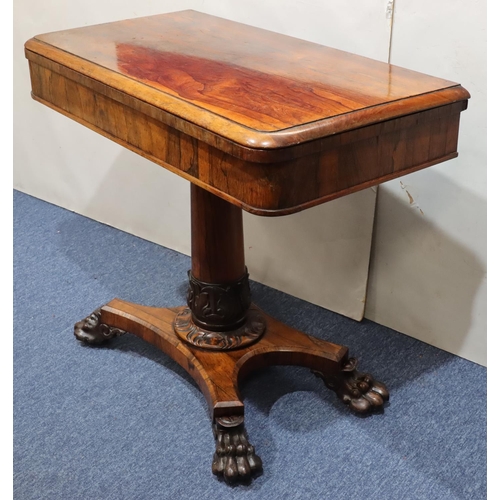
(219, 307)
(253, 328)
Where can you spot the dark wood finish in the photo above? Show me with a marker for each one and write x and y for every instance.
(92, 330)
(358, 390)
(274, 125)
(234, 457)
(246, 332)
(219, 307)
(217, 251)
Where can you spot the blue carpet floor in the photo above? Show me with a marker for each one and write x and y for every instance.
(124, 422)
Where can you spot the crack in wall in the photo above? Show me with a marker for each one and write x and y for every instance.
(389, 14)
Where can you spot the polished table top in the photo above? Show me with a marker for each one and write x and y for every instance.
(261, 97)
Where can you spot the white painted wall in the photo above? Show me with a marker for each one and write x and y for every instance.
(428, 270)
(427, 274)
(321, 255)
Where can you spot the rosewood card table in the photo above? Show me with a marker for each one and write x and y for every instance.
(256, 121)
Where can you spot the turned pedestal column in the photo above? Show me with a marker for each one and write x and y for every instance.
(218, 316)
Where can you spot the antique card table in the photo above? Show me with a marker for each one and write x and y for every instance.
(256, 121)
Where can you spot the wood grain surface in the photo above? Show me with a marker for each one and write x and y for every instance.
(218, 374)
(217, 250)
(257, 88)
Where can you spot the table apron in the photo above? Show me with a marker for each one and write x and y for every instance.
(345, 163)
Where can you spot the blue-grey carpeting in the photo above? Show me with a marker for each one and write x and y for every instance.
(125, 422)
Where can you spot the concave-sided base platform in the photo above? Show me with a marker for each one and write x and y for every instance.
(218, 374)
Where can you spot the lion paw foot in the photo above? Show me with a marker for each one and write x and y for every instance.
(360, 391)
(234, 458)
(91, 331)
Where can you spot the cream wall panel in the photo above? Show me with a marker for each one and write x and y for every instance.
(428, 272)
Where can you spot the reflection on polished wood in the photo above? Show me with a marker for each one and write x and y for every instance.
(255, 121)
(237, 80)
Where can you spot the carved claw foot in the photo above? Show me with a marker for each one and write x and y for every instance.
(358, 390)
(91, 331)
(234, 457)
